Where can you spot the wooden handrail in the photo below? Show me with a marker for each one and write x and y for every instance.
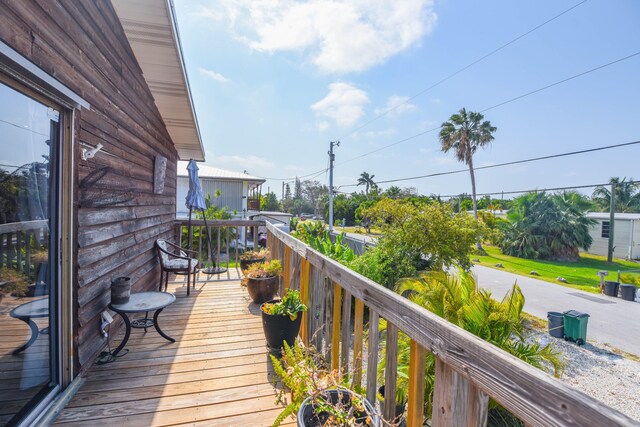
(222, 222)
(14, 227)
(529, 393)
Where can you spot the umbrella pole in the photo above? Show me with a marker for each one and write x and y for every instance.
(189, 235)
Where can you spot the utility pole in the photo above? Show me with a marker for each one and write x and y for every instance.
(612, 209)
(283, 191)
(332, 157)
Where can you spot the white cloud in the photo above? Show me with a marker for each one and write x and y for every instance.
(323, 125)
(246, 162)
(339, 36)
(215, 76)
(396, 105)
(344, 104)
(380, 133)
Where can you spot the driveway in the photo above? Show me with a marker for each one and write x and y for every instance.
(613, 321)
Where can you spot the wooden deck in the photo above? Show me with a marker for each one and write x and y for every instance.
(217, 373)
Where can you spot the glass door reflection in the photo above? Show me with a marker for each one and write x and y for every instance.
(28, 137)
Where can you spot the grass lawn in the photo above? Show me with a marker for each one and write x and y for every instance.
(375, 232)
(579, 275)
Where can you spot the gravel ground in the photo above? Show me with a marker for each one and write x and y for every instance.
(598, 372)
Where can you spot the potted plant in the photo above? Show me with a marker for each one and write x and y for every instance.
(281, 320)
(319, 397)
(252, 257)
(263, 280)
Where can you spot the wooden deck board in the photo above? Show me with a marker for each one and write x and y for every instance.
(217, 373)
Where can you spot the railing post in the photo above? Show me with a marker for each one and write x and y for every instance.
(346, 332)
(415, 416)
(390, 372)
(358, 325)
(372, 357)
(335, 332)
(286, 268)
(304, 296)
(456, 401)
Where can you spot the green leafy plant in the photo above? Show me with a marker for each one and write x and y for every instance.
(455, 298)
(544, 226)
(304, 373)
(290, 305)
(307, 230)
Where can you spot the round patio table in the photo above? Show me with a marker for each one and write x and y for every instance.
(26, 312)
(143, 302)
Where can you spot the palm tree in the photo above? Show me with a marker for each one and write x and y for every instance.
(627, 195)
(465, 133)
(366, 180)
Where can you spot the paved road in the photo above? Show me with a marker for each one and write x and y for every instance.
(613, 321)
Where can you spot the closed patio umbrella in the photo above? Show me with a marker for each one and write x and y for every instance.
(195, 200)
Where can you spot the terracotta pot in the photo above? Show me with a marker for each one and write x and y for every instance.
(263, 289)
(245, 263)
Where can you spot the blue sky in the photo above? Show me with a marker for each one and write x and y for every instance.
(274, 81)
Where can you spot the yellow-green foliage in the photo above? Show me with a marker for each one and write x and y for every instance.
(631, 279)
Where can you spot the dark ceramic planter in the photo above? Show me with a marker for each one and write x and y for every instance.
(399, 412)
(263, 289)
(278, 329)
(120, 290)
(245, 263)
(307, 416)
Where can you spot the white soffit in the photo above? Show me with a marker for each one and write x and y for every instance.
(151, 29)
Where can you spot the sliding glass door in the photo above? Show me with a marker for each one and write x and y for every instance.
(29, 305)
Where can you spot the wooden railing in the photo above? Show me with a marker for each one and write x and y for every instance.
(469, 370)
(17, 242)
(229, 238)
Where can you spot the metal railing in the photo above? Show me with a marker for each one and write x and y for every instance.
(219, 242)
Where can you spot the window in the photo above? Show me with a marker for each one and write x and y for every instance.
(605, 229)
(30, 134)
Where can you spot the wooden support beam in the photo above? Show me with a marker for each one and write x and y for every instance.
(415, 414)
(390, 372)
(456, 401)
(335, 331)
(286, 268)
(372, 357)
(358, 325)
(346, 332)
(304, 296)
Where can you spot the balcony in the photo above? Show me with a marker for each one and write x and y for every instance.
(217, 372)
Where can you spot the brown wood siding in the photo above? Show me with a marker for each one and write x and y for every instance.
(82, 44)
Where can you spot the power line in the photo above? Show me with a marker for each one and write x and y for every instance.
(316, 173)
(515, 162)
(450, 76)
(498, 105)
(573, 187)
(561, 81)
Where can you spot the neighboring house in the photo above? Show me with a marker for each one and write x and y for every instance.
(626, 239)
(75, 75)
(239, 192)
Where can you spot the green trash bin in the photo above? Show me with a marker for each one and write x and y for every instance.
(575, 326)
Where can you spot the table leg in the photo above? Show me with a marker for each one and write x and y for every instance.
(34, 335)
(155, 323)
(127, 332)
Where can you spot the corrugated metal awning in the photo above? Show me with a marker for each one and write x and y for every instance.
(151, 29)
